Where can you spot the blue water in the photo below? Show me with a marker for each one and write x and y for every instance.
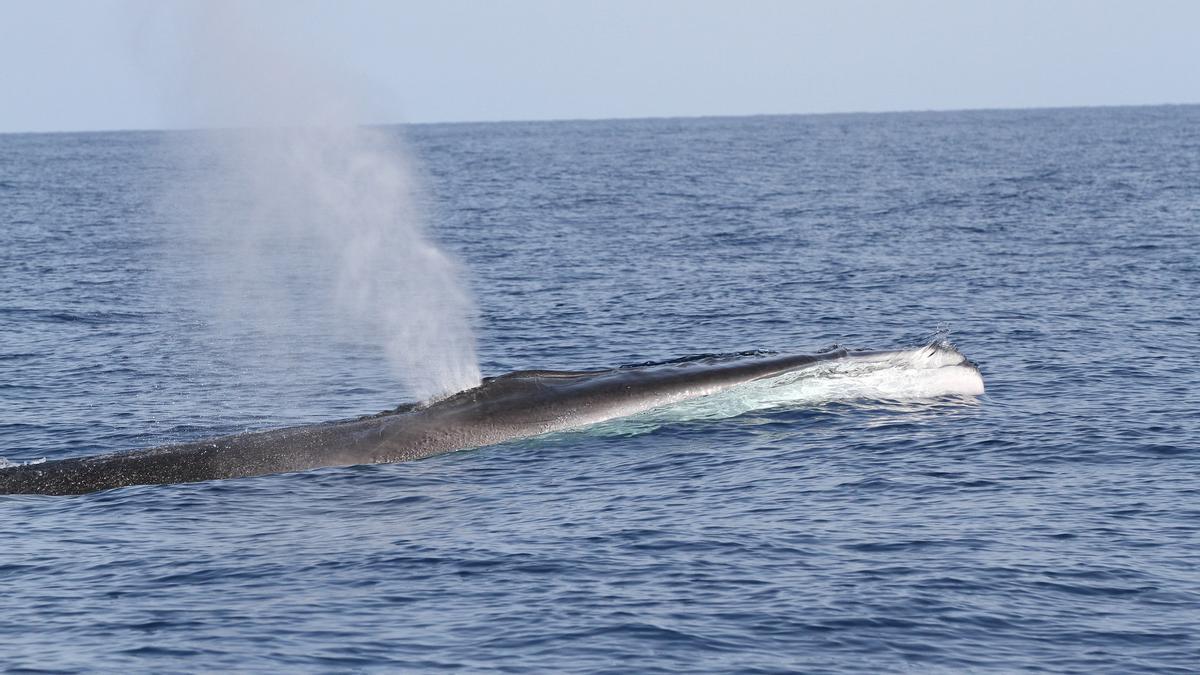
(1050, 526)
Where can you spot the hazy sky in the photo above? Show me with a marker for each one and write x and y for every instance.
(136, 64)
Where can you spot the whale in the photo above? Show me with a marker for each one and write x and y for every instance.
(513, 406)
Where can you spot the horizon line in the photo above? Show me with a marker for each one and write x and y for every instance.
(631, 118)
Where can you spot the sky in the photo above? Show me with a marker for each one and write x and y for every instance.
(68, 65)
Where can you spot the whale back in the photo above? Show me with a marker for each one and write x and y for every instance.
(515, 405)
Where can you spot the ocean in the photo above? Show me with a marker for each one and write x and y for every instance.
(1050, 525)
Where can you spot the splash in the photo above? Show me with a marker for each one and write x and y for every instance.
(934, 372)
(6, 463)
(298, 205)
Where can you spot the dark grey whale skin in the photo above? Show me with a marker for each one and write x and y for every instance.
(516, 405)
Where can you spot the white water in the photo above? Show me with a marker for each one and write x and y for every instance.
(910, 376)
(7, 463)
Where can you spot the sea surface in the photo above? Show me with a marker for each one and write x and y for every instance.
(1051, 525)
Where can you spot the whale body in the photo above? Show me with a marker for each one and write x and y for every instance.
(517, 405)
